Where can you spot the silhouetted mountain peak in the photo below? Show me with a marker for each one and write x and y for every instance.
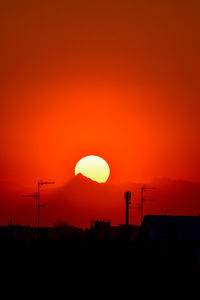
(81, 179)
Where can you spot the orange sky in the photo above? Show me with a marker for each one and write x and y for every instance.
(118, 79)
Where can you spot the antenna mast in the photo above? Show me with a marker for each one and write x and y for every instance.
(143, 189)
(40, 183)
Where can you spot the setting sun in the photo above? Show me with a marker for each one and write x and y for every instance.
(93, 167)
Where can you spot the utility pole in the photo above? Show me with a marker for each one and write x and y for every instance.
(127, 196)
(143, 189)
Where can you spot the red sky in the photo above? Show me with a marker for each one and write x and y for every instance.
(118, 79)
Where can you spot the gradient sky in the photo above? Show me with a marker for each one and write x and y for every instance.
(118, 79)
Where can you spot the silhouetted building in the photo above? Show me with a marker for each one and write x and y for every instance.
(65, 232)
(129, 232)
(176, 237)
(17, 233)
(101, 230)
(165, 228)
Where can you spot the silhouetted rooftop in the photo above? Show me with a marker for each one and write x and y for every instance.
(183, 228)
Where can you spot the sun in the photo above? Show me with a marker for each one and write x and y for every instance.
(93, 167)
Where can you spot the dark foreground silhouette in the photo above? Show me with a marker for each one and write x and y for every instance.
(99, 267)
(100, 261)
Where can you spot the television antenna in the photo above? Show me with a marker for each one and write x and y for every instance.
(37, 195)
(144, 188)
